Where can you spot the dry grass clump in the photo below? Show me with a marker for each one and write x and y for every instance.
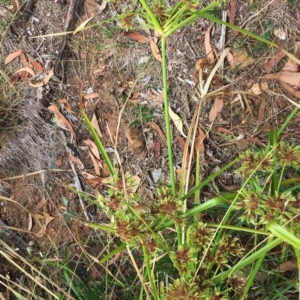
(25, 137)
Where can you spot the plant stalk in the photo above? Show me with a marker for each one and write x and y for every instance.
(167, 117)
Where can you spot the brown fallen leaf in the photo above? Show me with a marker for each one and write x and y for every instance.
(95, 163)
(9, 58)
(47, 219)
(261, 112)
(216, 109)
(288, 265)
(37, 66)
(61, 121)
(232, 11)
(290, 64)
(25, 69)
(137, 37)
(66, 104)
(224, 130)
(95, 124)
(136, 139)
(77, 161)
(177, 121)
(155, 50)
(292, 78)
(93, 148)
(24, 60)
(208, 49)
(44, 81)
(158, 131)
(239, 59)
(16, 5)
(114, 258)
(290, 89)
(91, 96)
(274, 61)
(199, 146)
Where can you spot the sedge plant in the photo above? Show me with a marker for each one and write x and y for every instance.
(207, 259)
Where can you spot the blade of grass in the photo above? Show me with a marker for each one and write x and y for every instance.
(97, 140)
(167, 116)
(283, 234)
(248, 260)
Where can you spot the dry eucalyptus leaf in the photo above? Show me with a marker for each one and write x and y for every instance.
(208, 49)
(136, 139)
(199, 146)
(94, 149)
(66, 105)
(91, 96)
(37, 66)
(44, 81)
(274, 61)
(158, 131)
(95, 124)
(9, 58)
(177, 121)
(24, 60)
(137, 37)
(77, 161)
(292, 78)
(25, 69)
(95, 163)
(216, 109)
(290, 89)
(155, 50)
(290, 64)
(60, 120)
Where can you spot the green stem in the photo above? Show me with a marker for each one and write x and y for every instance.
(173, 14)
(254, 272)
(173, 27)
(174, 19)
(150, 275)
(209, 179)
(273, 142)
(197, 174)
(287, 121)
(297, 252)
(150, 13)
(167, 117)
(112, 253)
(202, 207)
(243, 263)
(98, 142)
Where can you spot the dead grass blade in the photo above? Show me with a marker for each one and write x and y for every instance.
(14, 254)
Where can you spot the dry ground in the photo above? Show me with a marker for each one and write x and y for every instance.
(121, 71)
